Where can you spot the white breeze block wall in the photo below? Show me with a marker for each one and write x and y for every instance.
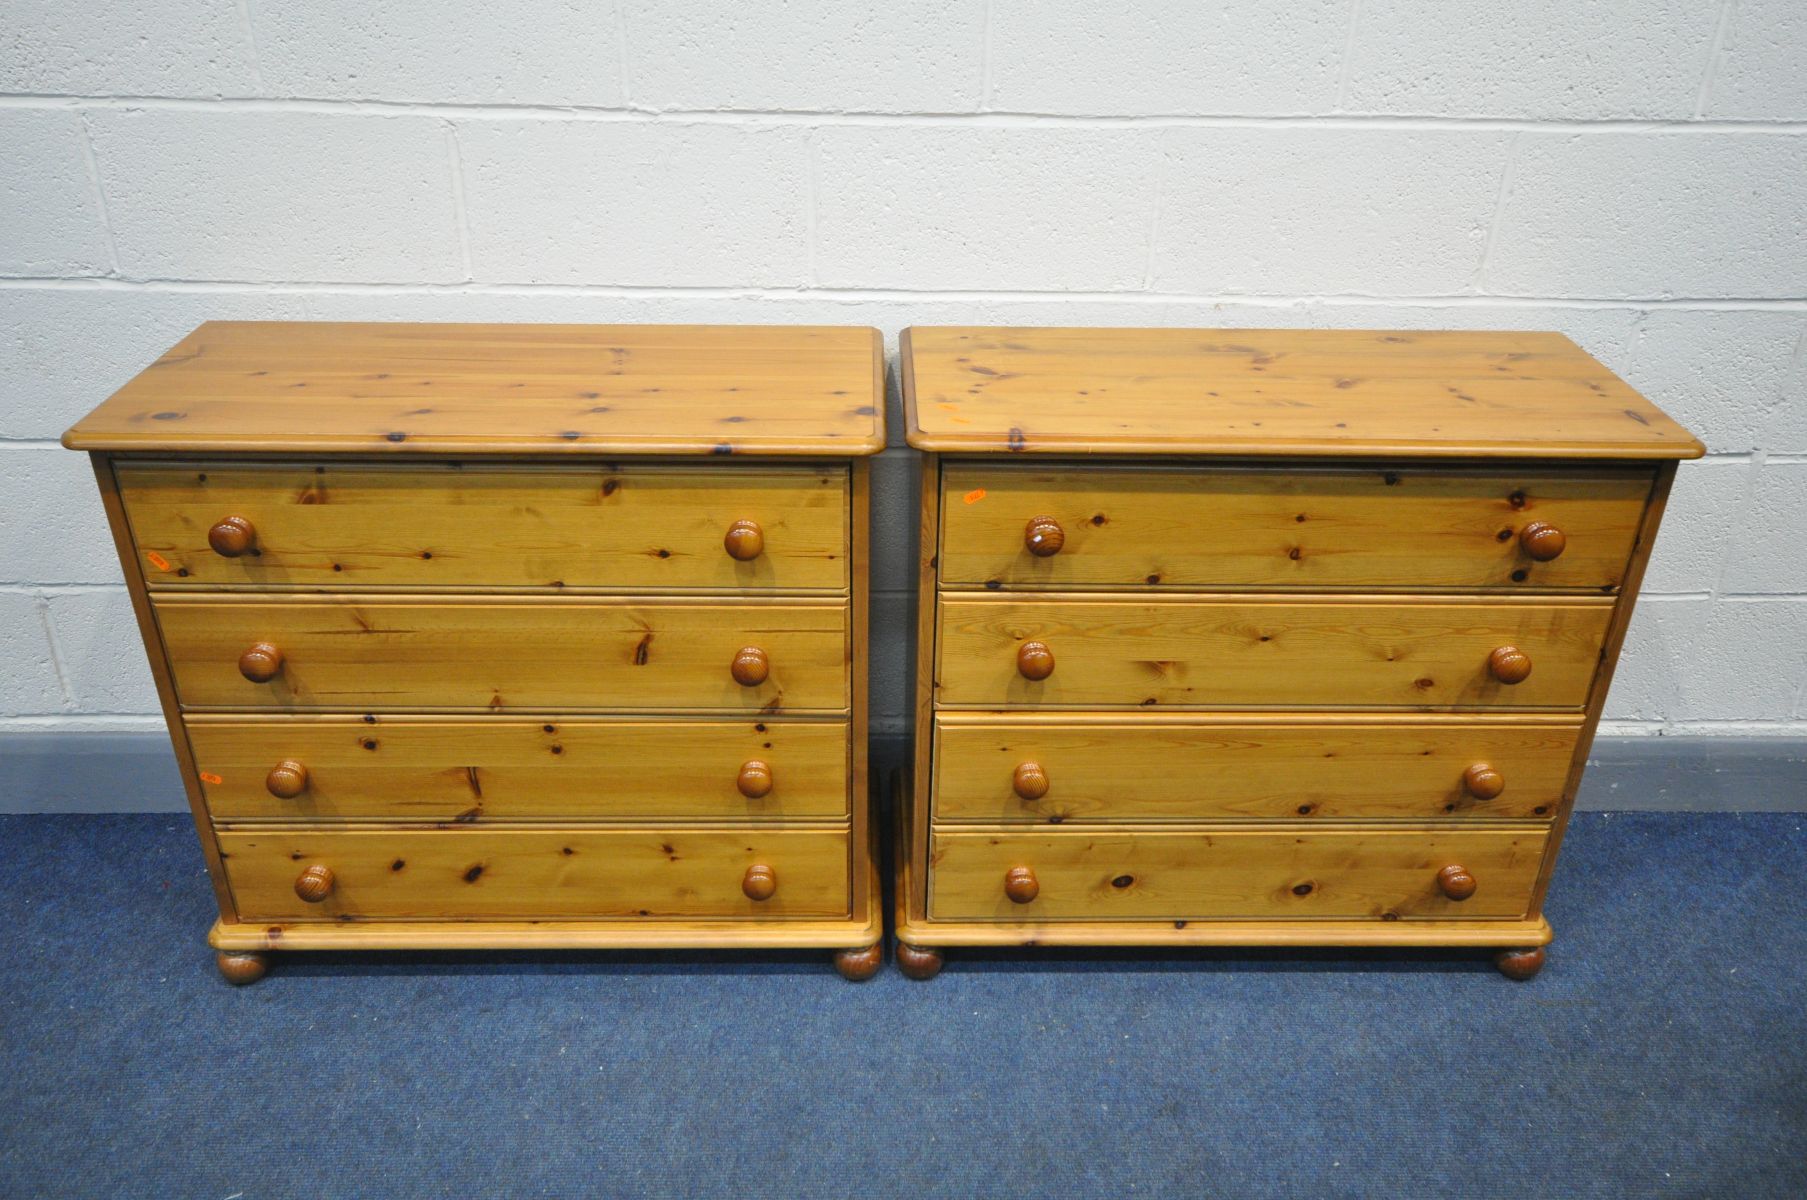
(1633, 174)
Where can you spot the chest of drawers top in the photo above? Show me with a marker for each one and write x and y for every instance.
(1274, 393)
(450, 389)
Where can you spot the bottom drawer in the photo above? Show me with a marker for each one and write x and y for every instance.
(301, 875)
(1078, 876)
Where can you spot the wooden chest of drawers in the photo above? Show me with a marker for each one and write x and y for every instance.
(1243, 637)
(510, 636)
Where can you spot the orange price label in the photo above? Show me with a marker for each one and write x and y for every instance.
(974, 496)
(157, 560)
(210, 777)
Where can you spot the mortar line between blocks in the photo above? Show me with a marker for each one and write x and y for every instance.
(91, 160)
(812, 183)
(1710, 73)
(249, 26)
(988, 119)
(621, 52)
(460, 211)
(1346, 68)
(1508, 174)
(42, 606)
(902, 295)
(985, 60)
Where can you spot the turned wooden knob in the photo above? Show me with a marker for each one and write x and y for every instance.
(1044, 537)
(751, 666)
(760, 882)
(1509, 664)
(1034, 660)
(745, 540)
(1542, 541)
(1483, 782)
(1020, 885)
(755, 779)
(315, 884)
(232, 536)
(287, 779)
(1029, 781)
(260, 663)
(1456, 882)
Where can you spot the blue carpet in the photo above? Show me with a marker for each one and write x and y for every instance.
(1663, 1052)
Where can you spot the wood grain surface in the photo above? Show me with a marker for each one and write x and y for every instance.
(291, 387)
(1385, 874)
(487, 770)
(351, 526)
(1140, 768)
(1275, 392)
(1402, 527)
(367, 654)
(502, 874)
(1238, 653)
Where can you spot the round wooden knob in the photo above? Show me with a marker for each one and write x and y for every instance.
(232, 536)
(755, 779)
(1509, 664)
(1044, 537)
(760, 882)
(745, 540)
(1542, 541)
(1034, 660)
(260, 663)
(1020, 885)
(1029, 781)
(751, 666)
(1456, 882)
(1483, 782)
(287, 779)
(315, 884)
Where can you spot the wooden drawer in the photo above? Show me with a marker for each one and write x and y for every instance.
(1133, 769)
(1386, 874)
(504, 874)
(499, 769)
(550, 654)
(359, 526)
(1406, 528)
(1204, 653)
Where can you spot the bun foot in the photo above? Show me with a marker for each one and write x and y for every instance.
(1519, 965)
(918, 962)
(860, 964)
(242, 966)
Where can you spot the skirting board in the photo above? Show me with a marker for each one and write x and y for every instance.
(44, 772)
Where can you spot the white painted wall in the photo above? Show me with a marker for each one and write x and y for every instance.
(1633, 173)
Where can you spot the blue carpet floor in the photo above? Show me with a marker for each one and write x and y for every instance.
(1663, 1052)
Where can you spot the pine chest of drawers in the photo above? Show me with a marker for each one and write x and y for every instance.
(1243, 638)
(510, 636)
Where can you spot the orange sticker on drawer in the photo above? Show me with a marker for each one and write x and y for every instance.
(210, 777)
(157, 560)
(974, 496)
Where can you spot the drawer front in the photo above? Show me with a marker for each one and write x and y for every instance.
(497, 875)
(485, 770)
(1383, 874)
(353, 526)
(368, 654)
(1187, 653)
(1129, 770)
(1410, 528)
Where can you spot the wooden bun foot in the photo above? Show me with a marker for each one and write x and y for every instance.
(918, 962)
(242, 966)
(1519, 965)
(856, 965)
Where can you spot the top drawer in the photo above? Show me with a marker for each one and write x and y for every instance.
(370, 526)
(1409, 528)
